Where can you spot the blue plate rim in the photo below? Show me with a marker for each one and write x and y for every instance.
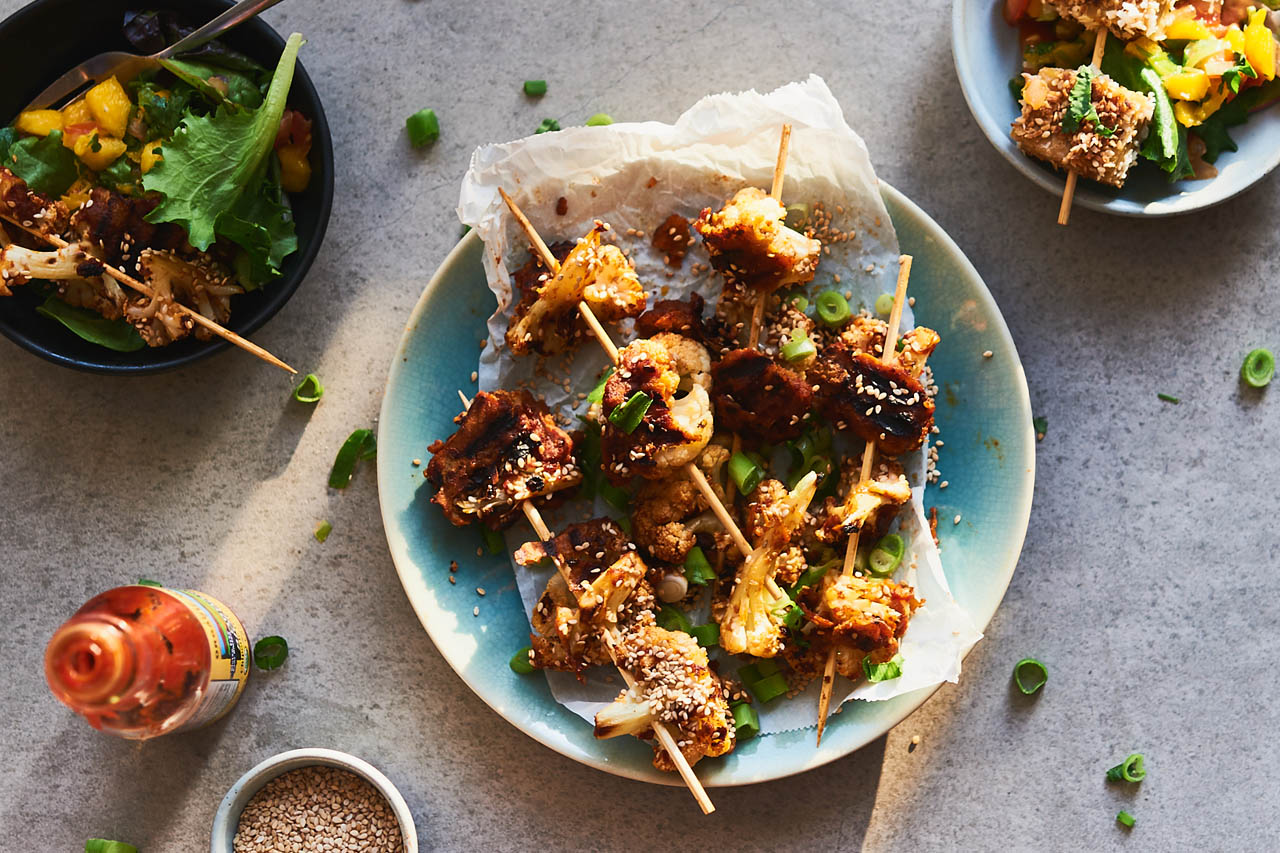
(834, 746)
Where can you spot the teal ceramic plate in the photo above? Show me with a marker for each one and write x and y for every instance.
(987, 54)
(988, 458)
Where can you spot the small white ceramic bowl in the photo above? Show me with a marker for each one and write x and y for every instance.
(228, 816)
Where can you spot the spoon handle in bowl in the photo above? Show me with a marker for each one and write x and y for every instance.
(233, 17)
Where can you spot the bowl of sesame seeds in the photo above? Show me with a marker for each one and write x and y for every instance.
(313, 799)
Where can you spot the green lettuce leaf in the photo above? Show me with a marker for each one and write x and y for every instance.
(211, 160)
(209, 80)
(262, 225)
(45, 164)
(93, 327)
(162, 113)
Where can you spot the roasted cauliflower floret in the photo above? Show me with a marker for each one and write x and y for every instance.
(667, 515)
(593, 272)
(752, 620)
(19, 265)
(571, 638)
(674, 429)
(886, 488)
(198, 284)
(581, 552)
(752, 248)
(869, 612)
(674, 686)
(507, 449)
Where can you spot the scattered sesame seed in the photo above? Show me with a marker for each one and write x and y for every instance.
(987, 354)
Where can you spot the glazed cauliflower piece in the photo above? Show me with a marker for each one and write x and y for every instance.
(674, 686)
(583, 549)
(864, 616)
(752, 620)
(667, 514)
(18, 265)
(674, 429)
(752, 248)
(197, 283)
(888, 487)
(546, 320)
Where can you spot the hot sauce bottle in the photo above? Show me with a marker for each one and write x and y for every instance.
(140, 661)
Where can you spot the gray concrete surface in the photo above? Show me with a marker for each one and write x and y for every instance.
(1148, 582)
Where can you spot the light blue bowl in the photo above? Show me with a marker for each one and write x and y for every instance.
(987, 55)
(989, 458)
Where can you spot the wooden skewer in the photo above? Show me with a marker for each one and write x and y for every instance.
(780, 165)
(1069, 191)
(131, 282)
(887, 353)
(610, 641)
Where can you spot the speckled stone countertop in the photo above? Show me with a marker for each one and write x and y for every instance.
(1148, 581)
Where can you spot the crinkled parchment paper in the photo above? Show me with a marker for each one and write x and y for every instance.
(634, 176)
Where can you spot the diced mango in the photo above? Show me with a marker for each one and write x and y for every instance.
(1187, 28)
(150, 155)
(1235, 38)
(1260, 45)
(1191, 115)
(77, 194)
(110, 106)
(39, 122)
(295, 168)
(1189, 85)
(76, 112)
(98, 152)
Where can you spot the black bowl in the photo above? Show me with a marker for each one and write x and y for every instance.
(40, 42)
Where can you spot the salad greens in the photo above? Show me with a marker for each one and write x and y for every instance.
(91, 326)
(44, 163)
(1080, 109)
(216, 179)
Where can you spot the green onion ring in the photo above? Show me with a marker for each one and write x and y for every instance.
(707, 635)
(833, 308)
(887, 671)
(745, 472)
(148, 582)
(697, 568)
(493, 541)
(270, 652)
(102, 845)
(323, 529)
(600, 120)
(548, 125)
(884, 304)
(673, 620)
(745, 721)
(1030, 675)
(630, 414)
(1258, 368)
(534, 88)
(1132, 769)
(1126, 819)
(309, 390)
(798, 348)
(886, 555)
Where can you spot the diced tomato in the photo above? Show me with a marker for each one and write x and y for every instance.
(295, 129)
(1014, 9)
(73, 131)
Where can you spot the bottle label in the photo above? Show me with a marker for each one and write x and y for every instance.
(228, 654)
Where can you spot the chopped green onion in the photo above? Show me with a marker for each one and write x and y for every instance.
(1126, 819)
(810, 576)
(762, 668)
(798, 301)
(707, 635)
(270, 652)
(763, 680)
(614, 496)
(493, 541)
(887, 671)
(745, 721)
(1132, 769)
(697, 569)
(1041, 426)
(794, 618)
(599, 120)
(359, 445)
(597, 393)
(1169, 398)
(423, 127)
(1258, 368)
(629, 415)
(798, 348)
(534, 88)
(674, 620)
(884, 303)
(102, 845)
(745, 472)
(548, 124)
(1030, 675)
(625, 524)
(886, 556)
(148, 582)
(797, 215)
(520, 661)
(833, 309)
(322, 531)
(309, 390)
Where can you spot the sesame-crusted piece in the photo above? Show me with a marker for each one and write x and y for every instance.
(1090, 154)
(1127, 19)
